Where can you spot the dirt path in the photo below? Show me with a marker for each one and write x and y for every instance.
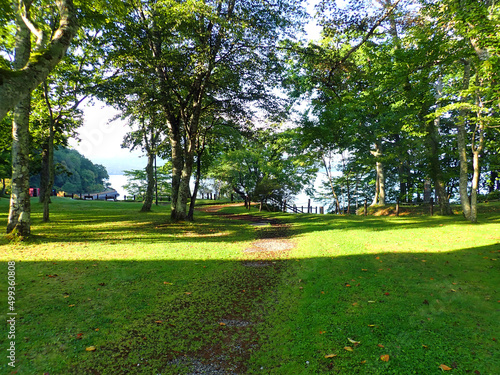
(257, 278)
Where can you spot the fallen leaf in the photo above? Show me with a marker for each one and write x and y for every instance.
(363, 270)
(444, 368)
(97, 329)
(371, 301)
(353, 341)
(380, 346)
(348, 348)
(159, 321)
(377, 258)
(424, 346)
(371, 325)
(347, 285)
(386, 293)
(330, 355)
(90, 349)
(188, 293)
(321, 332)
(71, 305)
(222, 324)
(385, 357)
(355, 304)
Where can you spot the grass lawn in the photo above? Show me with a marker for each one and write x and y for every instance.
(104, 289)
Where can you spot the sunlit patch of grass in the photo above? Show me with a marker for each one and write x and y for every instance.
(145, 291)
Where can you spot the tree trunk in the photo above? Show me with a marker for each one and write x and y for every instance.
(2, 192)
(20, 210)
(50, 171)
(14, 86)
(475, 185)
(196, 186)
(477, 149)
(380, 181)
(434, 162)
(462, 150)
(381, 173)
(184, 190)
(177, 166)
(337, 203)
(150, 174)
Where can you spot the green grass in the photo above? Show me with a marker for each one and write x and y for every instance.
(145, 291)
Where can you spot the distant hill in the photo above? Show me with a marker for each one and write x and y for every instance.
(76, 174)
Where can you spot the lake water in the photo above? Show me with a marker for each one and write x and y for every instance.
(117, 181)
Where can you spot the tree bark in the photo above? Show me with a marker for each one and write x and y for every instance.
(328, 174)
(462, 149)
(177, 165)
(434, 162)
(19, 220)
(380, 179)
(196, 186)
(48, 170)
(148, 199)
(18, 84)
(20, 211)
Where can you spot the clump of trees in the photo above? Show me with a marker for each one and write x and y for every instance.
(75, 174)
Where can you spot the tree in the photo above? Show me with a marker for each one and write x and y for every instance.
(137, 181)
(197, 51)
(263, 166)
(32, 65)
(148, 137)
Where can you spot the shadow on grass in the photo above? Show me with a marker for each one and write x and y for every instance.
(277, 316)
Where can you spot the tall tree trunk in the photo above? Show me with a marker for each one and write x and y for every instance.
(196, 186)
(14, 86)
(2, 191)
(462, 149)
(477, 149)
(434, 162)
(177, 166)
(150, 174)
(380, 182)
(329, 175)
(20, 210)
(47, 172)
(48, 169)
(184, 189)
(377, 188)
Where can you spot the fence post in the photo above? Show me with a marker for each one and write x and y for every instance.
(397, 207)
(322, 210)
(432, 206)
(366, 207)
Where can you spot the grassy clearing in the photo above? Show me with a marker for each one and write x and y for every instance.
(150, 295)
